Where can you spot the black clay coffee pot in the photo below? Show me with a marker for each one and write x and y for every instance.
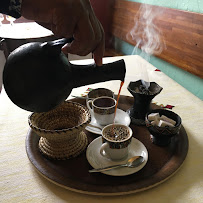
(38, 76)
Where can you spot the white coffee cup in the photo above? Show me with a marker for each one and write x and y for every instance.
(99, 92)
(103, 109)
(116, 148)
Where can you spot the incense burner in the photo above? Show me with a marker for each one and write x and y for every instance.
(142, 100)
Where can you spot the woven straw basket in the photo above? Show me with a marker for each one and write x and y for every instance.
(61, 130)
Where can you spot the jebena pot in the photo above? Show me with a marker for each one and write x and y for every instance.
(38, 76)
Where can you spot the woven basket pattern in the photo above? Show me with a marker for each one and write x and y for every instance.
(61, 130)
(65, 120)
(63, 150)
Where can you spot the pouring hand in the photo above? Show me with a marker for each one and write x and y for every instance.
(69, 18)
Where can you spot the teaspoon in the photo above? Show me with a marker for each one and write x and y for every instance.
(131, 163)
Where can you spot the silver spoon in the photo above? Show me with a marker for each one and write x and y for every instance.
(131, 163)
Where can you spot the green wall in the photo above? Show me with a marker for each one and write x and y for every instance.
(187, 5)
(191, 82)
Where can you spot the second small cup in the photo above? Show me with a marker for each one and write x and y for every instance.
(103, 109)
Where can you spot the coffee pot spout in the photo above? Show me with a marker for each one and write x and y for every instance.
(90, 74)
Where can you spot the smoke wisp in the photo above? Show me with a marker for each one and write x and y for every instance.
(147, 36)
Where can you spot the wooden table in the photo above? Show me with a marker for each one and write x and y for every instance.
(19, 181)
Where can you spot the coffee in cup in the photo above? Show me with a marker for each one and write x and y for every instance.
(98, 92)
(103, 109)
(116, 139)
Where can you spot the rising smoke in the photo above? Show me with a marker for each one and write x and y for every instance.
(146, 35)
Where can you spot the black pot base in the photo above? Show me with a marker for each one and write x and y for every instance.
(134, 119)
(162, 142)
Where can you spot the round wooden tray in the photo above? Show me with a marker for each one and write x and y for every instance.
(73, 174)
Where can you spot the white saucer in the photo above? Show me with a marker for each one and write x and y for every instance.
(96, 160)
(121, 117)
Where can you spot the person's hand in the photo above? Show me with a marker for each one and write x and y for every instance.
(69, 18)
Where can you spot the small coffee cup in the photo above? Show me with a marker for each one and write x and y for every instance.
(99, 92)
(116, 139)
(103, 109)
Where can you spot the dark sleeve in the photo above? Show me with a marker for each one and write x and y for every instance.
(11, 7)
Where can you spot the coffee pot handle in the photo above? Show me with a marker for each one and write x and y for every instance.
(103, 148)
(89, 107)
(54, 47)
(60, 42)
